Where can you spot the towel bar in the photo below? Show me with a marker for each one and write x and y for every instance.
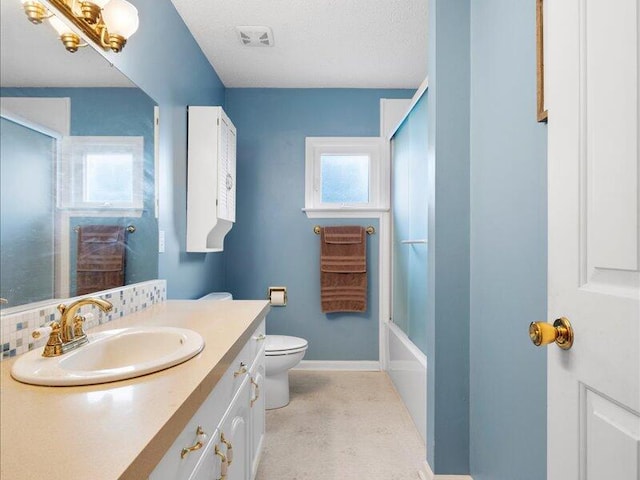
(370, 229)
(130, 228)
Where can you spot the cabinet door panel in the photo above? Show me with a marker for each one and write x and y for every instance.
(173, 465)
(234, 430)
(209, 466)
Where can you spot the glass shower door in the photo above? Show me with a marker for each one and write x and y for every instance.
(409, 200)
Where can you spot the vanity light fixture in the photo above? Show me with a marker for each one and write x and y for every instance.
(108, 23)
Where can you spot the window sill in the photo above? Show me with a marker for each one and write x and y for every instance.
(344, 212)
(103, 212)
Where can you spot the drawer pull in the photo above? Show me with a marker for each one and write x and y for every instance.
(260, 337)
(255, 399)
(241, 371)
(201, 437)
(223, 463)
(229, 449)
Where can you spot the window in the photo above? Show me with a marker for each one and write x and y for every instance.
(345, 174)
(101, 173)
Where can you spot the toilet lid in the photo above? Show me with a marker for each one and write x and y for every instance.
(279, 343)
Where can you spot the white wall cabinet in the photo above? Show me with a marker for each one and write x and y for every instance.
(224, 437)
(211, 178)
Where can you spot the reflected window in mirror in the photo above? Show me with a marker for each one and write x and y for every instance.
(102, 173)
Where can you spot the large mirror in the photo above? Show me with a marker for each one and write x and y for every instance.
(78, 148)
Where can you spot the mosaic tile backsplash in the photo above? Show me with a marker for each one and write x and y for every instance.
(16, 328)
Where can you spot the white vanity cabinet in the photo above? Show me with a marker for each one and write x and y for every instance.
(211, 178)
(224, 427)
(226, 456)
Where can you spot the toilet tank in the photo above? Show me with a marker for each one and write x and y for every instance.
(217, 296)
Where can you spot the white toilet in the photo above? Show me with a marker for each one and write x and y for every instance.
(282, 354)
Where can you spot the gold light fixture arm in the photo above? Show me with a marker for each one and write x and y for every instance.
(113, 42)
(91, 13)
(65, 7)
(71, 42)
(36, 12)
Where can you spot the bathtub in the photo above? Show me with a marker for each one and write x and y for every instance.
(407, 368)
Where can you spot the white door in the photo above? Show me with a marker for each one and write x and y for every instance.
(593, 98)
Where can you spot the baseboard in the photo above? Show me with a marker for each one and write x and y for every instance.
(342, 365)
(425, 473)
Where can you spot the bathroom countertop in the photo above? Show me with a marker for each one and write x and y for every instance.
(120, 430)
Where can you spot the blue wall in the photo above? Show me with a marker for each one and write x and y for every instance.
(165, 61)
(272, 242)
(508, 245)
(448, 256)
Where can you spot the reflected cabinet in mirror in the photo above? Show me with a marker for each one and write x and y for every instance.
(77, 168)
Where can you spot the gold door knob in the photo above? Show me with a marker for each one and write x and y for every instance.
(561, 332)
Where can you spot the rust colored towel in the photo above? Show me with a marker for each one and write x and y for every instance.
(101, 258)
(343, 269)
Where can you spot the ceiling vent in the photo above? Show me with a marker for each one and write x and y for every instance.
(253, 36)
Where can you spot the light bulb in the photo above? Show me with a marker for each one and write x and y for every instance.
(121, 18)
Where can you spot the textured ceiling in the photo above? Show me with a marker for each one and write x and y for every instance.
(317, 43)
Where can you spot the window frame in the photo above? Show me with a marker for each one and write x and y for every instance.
(374, 148)
(73, 169)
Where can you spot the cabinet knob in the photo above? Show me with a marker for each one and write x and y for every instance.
(257, 390)
(200, 438)
(241, 371)
(229, 446)
(223, 463)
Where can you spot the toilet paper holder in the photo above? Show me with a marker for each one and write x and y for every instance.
(277, 296)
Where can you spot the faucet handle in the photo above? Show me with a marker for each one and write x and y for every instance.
(78, 324)
(41, 332)
(54, 344)
(78, 331)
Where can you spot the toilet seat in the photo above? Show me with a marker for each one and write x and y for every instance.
(275, 353)
(284, 345)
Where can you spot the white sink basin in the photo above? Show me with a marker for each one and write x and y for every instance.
(109, 356)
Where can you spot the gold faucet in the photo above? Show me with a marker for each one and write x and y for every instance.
(69, 334)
